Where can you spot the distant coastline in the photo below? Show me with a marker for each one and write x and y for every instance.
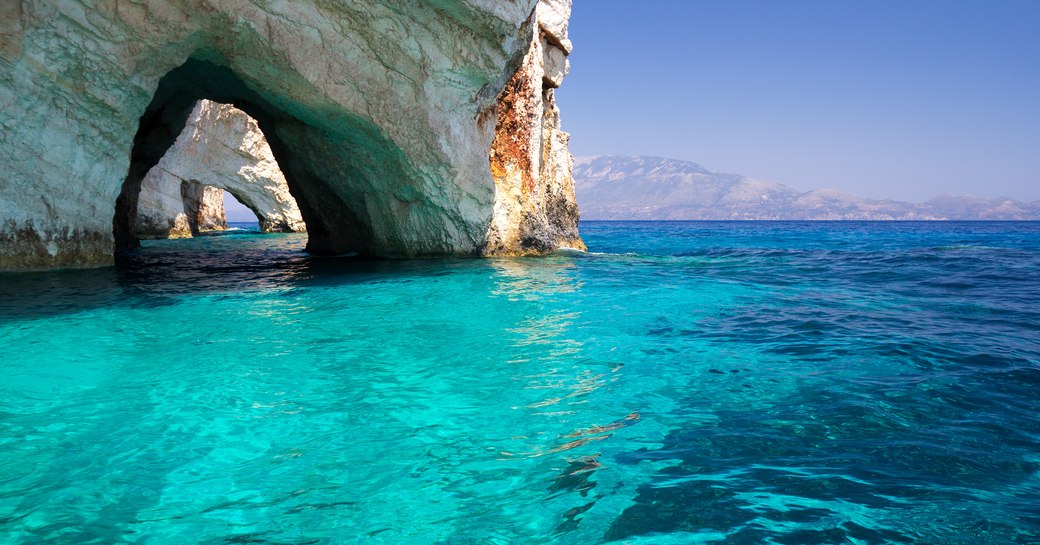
(661, 189)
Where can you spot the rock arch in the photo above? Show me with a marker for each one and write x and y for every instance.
(220, 149)
(381, 117)
(332, 203)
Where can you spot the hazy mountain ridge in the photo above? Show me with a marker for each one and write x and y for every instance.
(641, 187)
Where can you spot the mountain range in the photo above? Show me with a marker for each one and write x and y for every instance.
(620, 187)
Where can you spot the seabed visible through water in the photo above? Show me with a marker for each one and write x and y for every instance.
(685, 382)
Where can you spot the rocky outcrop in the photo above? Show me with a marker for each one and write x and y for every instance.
(178, 209)
(209, 211)
(220, 149)
(381, 117)
(535, 211)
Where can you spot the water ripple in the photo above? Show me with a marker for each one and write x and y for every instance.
(743, 383)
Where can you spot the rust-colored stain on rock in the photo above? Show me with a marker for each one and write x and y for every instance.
(517, 112)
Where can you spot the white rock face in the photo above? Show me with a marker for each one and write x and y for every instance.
(175, 208)
(211, 215)
(381, 117)
(220, 149)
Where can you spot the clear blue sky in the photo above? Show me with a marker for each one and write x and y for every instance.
(901, 99)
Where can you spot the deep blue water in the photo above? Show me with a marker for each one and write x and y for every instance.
(685, 382)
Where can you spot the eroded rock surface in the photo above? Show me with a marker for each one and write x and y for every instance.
(381, 117)
(535, 210)
(220, 149)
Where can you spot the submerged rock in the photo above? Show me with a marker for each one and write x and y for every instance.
(381, 118)
(220, 149)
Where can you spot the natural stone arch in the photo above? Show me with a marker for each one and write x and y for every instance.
(334, 226)
(220, 149)
(381, 115)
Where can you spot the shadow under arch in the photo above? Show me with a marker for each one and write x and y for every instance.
(334, 206)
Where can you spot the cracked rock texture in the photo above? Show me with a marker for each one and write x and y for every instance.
(535, 210)
(381, 115)
(220, 149)
(175, 208)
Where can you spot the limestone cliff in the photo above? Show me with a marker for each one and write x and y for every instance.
(220, 149)
(535, 210)
(381, 115)
(178, 208)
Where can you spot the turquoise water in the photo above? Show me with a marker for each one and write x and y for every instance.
(688, 382)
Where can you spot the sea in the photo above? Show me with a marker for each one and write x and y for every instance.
(681, 383)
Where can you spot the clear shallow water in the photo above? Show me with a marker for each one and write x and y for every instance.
(747, 383)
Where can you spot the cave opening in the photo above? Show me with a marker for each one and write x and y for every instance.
(220, 152)
(332, 200)
(238, 214)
